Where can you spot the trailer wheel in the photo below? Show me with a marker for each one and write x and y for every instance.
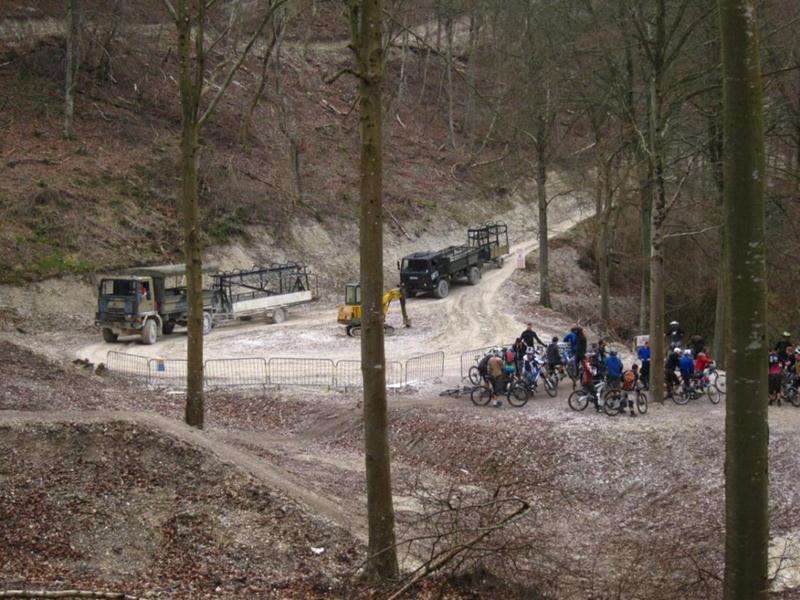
(109, 336)
(473, 276)
(279, 315)
(208, 322)
(442, 289)
(150, 332)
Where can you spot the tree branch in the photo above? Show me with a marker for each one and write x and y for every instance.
(218, 96)
(170, 9)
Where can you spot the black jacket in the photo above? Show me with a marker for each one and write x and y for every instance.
(553, 354)
(529, 336)
(673, 361)
(580, 344)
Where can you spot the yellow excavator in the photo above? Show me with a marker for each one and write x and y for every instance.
(350, 312)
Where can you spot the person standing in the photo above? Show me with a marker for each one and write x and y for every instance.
(644, 356)
(674, 335)
(580, 345)
(529, 337)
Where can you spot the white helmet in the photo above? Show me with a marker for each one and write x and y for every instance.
(671, 323)
(687, 352)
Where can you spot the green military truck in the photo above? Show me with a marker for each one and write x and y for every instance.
(139, 302)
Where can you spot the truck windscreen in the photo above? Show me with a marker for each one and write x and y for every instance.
(410, 264)
(118, 287)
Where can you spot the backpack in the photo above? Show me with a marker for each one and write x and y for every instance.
(484, 364)
(628, 381)
(510, 356)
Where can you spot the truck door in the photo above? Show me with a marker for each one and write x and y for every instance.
(145, 294)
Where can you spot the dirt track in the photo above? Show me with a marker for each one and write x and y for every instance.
(470, 317)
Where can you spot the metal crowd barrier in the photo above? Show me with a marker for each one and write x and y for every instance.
(317, 372)
(167, 372)
(128, 364)
(235, 372)
(472, 357)
(425, 367)
(349, 374)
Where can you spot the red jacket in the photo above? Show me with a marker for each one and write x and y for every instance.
(701, 363)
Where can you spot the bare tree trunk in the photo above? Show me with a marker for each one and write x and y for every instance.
(646, 210)
(720, 313)
(450, 117)
(367, 26)
(541, 192)
(73, 33)
(659, 213)
(603, 261)
(746, 426)
(190, 148)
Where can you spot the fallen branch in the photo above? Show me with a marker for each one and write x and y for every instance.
(396, 222)
(449, 555)
(65, 594)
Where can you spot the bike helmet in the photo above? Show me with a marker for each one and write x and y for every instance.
(687, 352)
(786, 334)
(529, 350)
(671, 323)
(676, 350)
(612, 352)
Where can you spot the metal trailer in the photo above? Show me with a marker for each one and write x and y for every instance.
(492, 239)
(263, 290)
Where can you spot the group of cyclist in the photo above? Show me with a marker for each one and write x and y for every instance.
(784, 382)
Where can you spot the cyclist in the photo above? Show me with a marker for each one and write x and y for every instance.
(587, 380)
(630, 379)
(520, 348)
(782, 345)
(644, 356)
(613, 369)
(702, 362)
(696, 344)
(553, 355)
(674, 334)
(686, 366)
(529, 337)
(670, 379)
(580, 344)
(494, 369)
(775, 376)
(572, 339)
(483, 368)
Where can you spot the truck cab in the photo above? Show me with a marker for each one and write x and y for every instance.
(138, 302)
(124, 306)
(420, 272)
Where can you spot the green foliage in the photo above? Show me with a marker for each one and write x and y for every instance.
(56, 263)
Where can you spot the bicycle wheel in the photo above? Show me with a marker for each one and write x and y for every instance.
(518, 395)
(578, 400)
(641, 402)
(474, 375)
(681, 396)
(792, 395)
(713, 394)
(549, 387)
(719, 381)
(480, 396)
(612, 403)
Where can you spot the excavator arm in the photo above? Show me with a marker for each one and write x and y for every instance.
(396, 294)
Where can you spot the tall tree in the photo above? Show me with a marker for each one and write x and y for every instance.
(746, 426)
(366, 23)
(190, 22)
(73, 36)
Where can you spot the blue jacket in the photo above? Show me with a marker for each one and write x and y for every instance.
(686, 365)
(644, 353)
(614, 367)
(572, 338)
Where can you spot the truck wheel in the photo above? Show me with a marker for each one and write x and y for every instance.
(208, 322)
(442, 289)
(279, 315)
(109, 335)
(150, 332)
(474, 276)
(168, 328)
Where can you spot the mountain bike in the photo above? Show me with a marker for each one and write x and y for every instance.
(537, 373)
(515, 393)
